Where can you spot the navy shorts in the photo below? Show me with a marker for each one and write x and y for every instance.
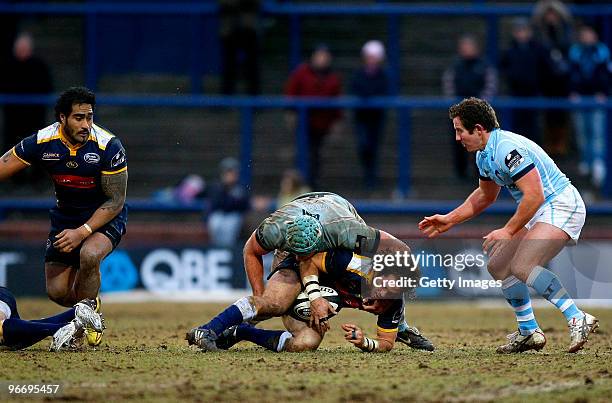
(7, 297)
(60, 221)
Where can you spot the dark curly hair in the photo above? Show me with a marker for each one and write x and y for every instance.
(473, 111)
(72, 96)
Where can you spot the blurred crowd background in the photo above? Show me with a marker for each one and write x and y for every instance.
(240, 49)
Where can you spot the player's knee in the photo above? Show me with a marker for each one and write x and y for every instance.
(300, 343)
(91, 257)
(59, 295)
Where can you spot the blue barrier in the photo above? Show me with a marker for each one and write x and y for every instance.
(378, 207)
(246, 105)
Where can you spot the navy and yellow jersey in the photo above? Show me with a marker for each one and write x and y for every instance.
(349, 274)
(75, 171)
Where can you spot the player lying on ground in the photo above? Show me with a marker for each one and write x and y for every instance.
(89, 170)
(313, 223)
(350, 274)
(65, 328)
(549, 215)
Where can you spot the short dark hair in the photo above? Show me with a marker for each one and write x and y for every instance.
(473, 111)
(72, 96)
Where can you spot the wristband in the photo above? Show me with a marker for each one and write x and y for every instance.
(311, 285)
(369, 345)
(88, 228)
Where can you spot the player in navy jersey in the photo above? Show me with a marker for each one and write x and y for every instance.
(549, 215)
(88, 167)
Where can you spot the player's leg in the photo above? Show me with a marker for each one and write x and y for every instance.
(298, 337)
(87, 282)
(543, 242)
(59, 279)
(281, 290)
(528, 336)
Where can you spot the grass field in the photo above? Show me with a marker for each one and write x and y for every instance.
(144, 358)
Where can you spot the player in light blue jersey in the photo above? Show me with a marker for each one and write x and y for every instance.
(550, 214)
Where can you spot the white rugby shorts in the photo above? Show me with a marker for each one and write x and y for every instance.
(566, 211)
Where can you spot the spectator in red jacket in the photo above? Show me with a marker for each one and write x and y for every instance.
(316, 79)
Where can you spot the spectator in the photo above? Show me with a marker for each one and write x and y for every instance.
(370, 80)
(553, 29)
(24, 74)
(316, 79)
(521, 64)
(469, 76)
(292, 185)
(229, 201)
(239, 21)
(589, 61)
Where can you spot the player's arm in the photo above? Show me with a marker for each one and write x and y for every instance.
(476, 203)
(385, 340)
(320, 308)
(533, 197)
(253, 264)
(10, 164)
(530, 184)
(114, 187)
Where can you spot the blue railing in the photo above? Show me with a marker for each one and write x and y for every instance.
(246, 105)
(295, 12)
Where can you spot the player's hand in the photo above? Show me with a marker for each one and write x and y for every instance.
(353, 334)
(494, 240)
(434, 225)
(70, 239)
(375, 306)
(320, 311)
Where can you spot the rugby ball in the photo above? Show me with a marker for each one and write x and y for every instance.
(300, 309)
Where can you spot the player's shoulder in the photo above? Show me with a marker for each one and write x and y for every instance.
(48, 134)
(103, 137)
(507, 141)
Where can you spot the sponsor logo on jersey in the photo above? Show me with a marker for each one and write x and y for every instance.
(51, 157)
(513, 160)
(72, 164)
(91, 158)
(118, 159)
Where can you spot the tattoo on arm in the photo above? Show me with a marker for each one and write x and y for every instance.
(114, 187)
(7, 156)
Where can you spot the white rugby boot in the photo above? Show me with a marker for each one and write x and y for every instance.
(580, 330)
(519, 343)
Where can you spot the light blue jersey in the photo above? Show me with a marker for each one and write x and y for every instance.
(508, 156)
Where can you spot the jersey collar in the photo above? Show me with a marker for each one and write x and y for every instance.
(72, 149)
(491, 144)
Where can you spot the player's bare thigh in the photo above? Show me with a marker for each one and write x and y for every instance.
(280, 292)
(541, 243)
(304, 338)
(499, 265)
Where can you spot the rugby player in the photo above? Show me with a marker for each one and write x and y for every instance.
(312, 223)
(17, 334)
(550, 214)
(88, 167)
(350, 274)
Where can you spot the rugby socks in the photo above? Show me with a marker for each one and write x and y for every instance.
(237, 313)
(63, 318)
(547, 284)
(273, 340)
(517, 295)
(403, 326)
(20, 334)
